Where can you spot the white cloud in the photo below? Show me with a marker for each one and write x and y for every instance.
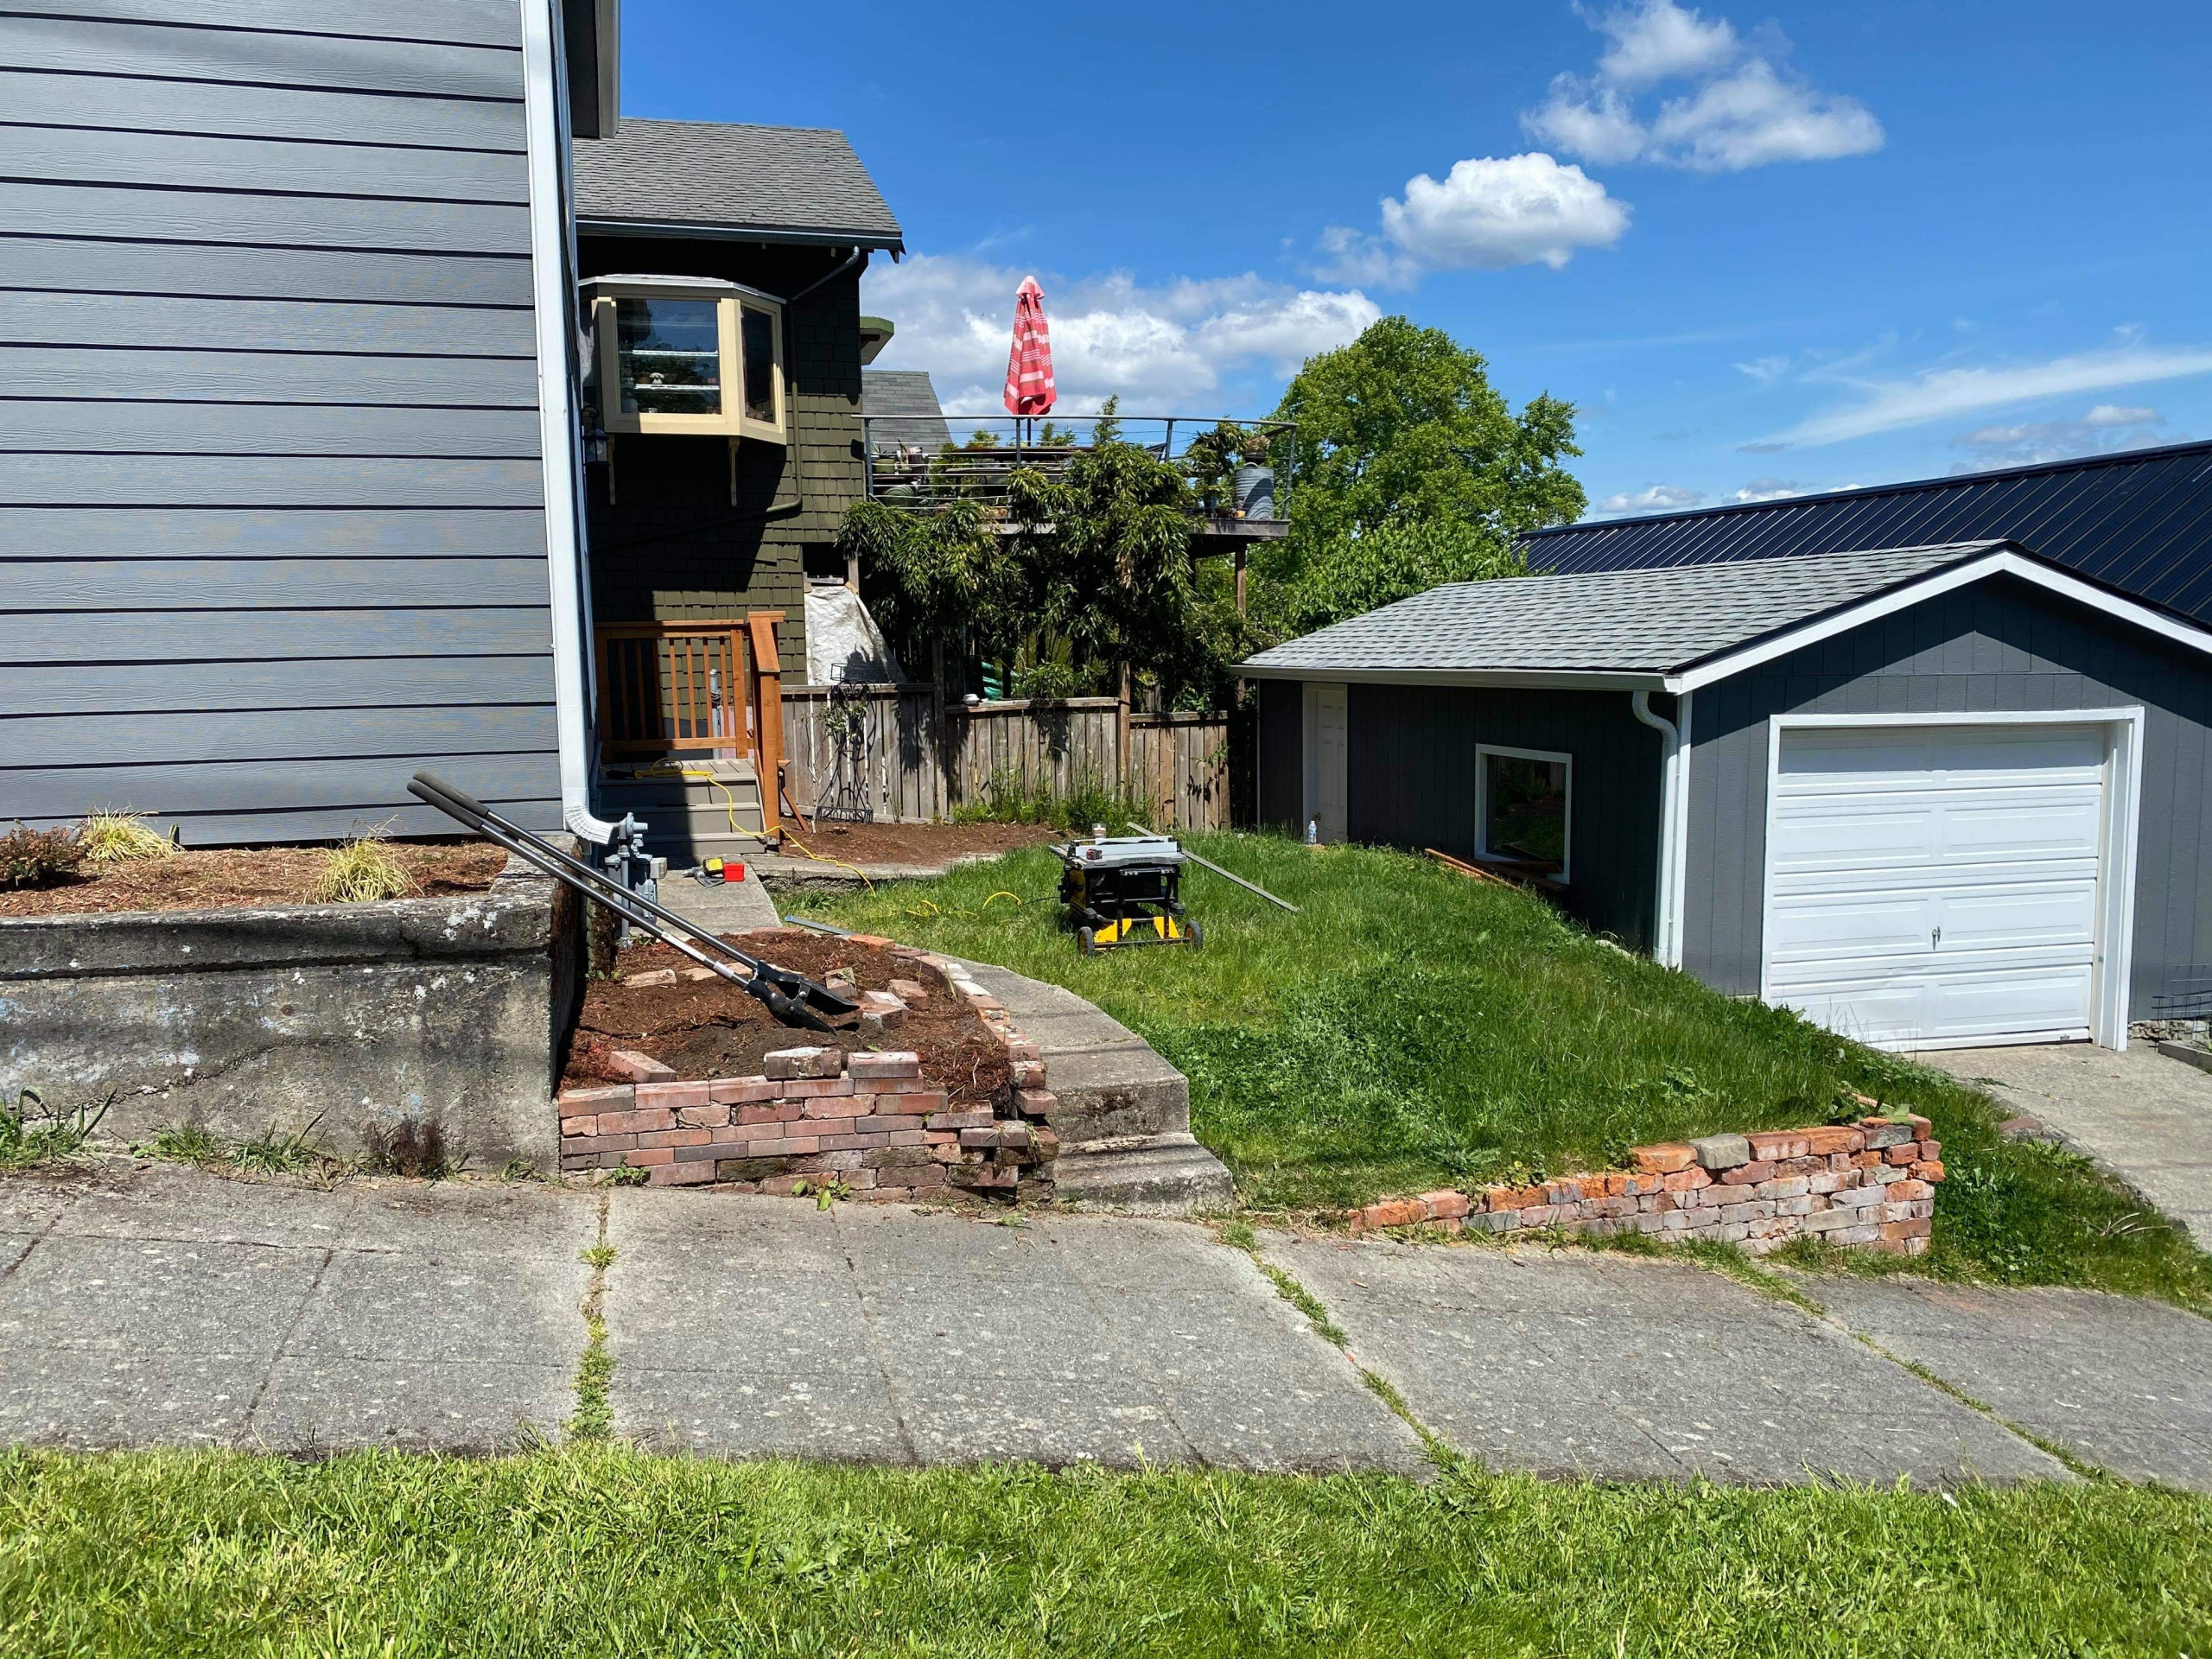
(2105, 428)
(1660, 498)
(1156, 348)
(1754, 117)
(1663, 42)
(1742, 112)
(1947, 393)
(1770, 489)
(1492, 212)
(1766, 369)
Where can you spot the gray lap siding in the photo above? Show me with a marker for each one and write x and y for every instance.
(1412, 778)
(2000, 645)
(272, 528)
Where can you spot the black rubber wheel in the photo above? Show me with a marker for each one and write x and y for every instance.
(1198, 935)
(1086, 941)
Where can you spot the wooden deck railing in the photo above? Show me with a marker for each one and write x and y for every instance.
(702, 686)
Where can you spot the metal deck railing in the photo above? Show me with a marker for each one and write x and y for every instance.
(912, 464)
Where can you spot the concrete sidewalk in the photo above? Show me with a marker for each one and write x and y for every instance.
(2143, 1117)
(147, 1304)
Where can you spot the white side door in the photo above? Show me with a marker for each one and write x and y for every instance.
(1938, 886)
(1327, 747)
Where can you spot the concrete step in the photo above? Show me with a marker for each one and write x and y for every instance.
(1148, 1175)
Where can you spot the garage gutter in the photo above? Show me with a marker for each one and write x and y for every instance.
(1674, 824)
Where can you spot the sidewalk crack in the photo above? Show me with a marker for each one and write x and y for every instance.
(284, 1343)
(594, 1418)
(877, 1346)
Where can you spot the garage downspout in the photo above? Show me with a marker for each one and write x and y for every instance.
(1667, 945)
(552, 260)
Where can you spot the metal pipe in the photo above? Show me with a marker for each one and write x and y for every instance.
(1666, 944)
(1208, 864)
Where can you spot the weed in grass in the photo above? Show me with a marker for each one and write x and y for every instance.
(1008, 797)
(520, 1169)
(413, 1147)
(31, 1135)
(594, 1418)
(360, 872)
(625, 1175)
(181, 1143)
(38, 858)
(121, 838)
(1412, 1029)
(603, 1548)
(272, 1153)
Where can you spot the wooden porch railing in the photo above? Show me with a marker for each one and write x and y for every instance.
(696, 686)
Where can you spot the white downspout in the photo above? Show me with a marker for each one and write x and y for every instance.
(551, 258)
(1667, 945)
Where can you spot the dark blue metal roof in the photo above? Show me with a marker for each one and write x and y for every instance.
(2140, 522)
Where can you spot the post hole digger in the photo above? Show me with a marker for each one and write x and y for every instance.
(791, 997)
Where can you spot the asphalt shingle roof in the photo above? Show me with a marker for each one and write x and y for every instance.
(715, 175)
(903, 410)
(2140, 521)
(1652, 621)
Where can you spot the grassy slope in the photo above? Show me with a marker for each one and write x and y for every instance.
(1413, 1028)
(608, 1551)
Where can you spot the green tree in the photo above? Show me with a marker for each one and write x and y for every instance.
(1394, 561)
(1402, 428)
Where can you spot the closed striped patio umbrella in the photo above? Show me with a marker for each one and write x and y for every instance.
(1029, 364)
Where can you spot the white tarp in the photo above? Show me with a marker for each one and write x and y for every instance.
(843, 642)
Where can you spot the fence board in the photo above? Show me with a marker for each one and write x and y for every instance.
(893, 761)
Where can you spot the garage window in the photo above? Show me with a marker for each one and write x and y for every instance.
(1526, 808)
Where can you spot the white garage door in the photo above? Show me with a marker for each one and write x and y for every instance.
(1936, 885)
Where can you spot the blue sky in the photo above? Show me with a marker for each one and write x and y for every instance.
(1762, 250)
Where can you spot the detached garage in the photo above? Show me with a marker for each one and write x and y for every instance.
(1933, 796)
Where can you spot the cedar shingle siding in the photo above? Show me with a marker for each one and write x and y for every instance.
(271, 526)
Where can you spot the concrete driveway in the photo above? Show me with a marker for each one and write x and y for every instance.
(2143, 1117)
(150, 1305)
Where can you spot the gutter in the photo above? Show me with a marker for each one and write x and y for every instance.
(893, 244)
(552, 266)
(1674, 824)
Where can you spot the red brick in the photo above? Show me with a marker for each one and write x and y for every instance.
(646, 1157)
(840, 1106)
(1442, 1204)
(580, 1101)
(1022, 1049)
(882, 1123)
(1929, 1173)
(578, 1126)
(910, 1103)
(1029, 1074)
(1685, 1180)
(1920, 1125)
(701, 1117)
(667, 1097)
(638, 1068)
(1828, 1140)
(809, 1062)
(765, 1114)
(1036, 1103)
(815, 1088)
(1931, 1151)
(910, 991)
(1393, 1212)
(1907, 1153)
(1906, 1191)
(687, 1138)
(738, 1092)
(897, 1063)
(1568, 1190)
(872, 941)
(681, 1175)
(637, 1122)
(1882, 1133)
(1771, 1146)
(1920, 1228)
(1866, 1160)
(1749, 1174)
(1663, 1158)
(979, 1119)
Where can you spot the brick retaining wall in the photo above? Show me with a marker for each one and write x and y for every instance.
(819, 1116)
(1865, 1185)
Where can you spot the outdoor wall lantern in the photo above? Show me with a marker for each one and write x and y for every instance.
(686, 354)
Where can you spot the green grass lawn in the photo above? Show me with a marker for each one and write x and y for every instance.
(1413, 1028)
(607, 1551)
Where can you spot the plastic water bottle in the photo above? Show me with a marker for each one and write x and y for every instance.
(1312, 832)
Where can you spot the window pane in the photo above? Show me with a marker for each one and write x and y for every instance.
(669, 355)
(760, 364)
(1527, 811)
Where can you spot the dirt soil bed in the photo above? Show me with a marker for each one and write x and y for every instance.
(710, 1028)
(930, 844)
(245, 876)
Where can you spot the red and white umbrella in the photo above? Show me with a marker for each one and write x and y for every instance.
(1029, 364)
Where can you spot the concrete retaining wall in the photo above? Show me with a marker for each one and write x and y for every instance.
(445, 1010)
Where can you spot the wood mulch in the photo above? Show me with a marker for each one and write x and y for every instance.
(711, 1028)
(915, 843)
(242, 877)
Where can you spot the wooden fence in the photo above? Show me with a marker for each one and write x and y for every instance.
(895, 752)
